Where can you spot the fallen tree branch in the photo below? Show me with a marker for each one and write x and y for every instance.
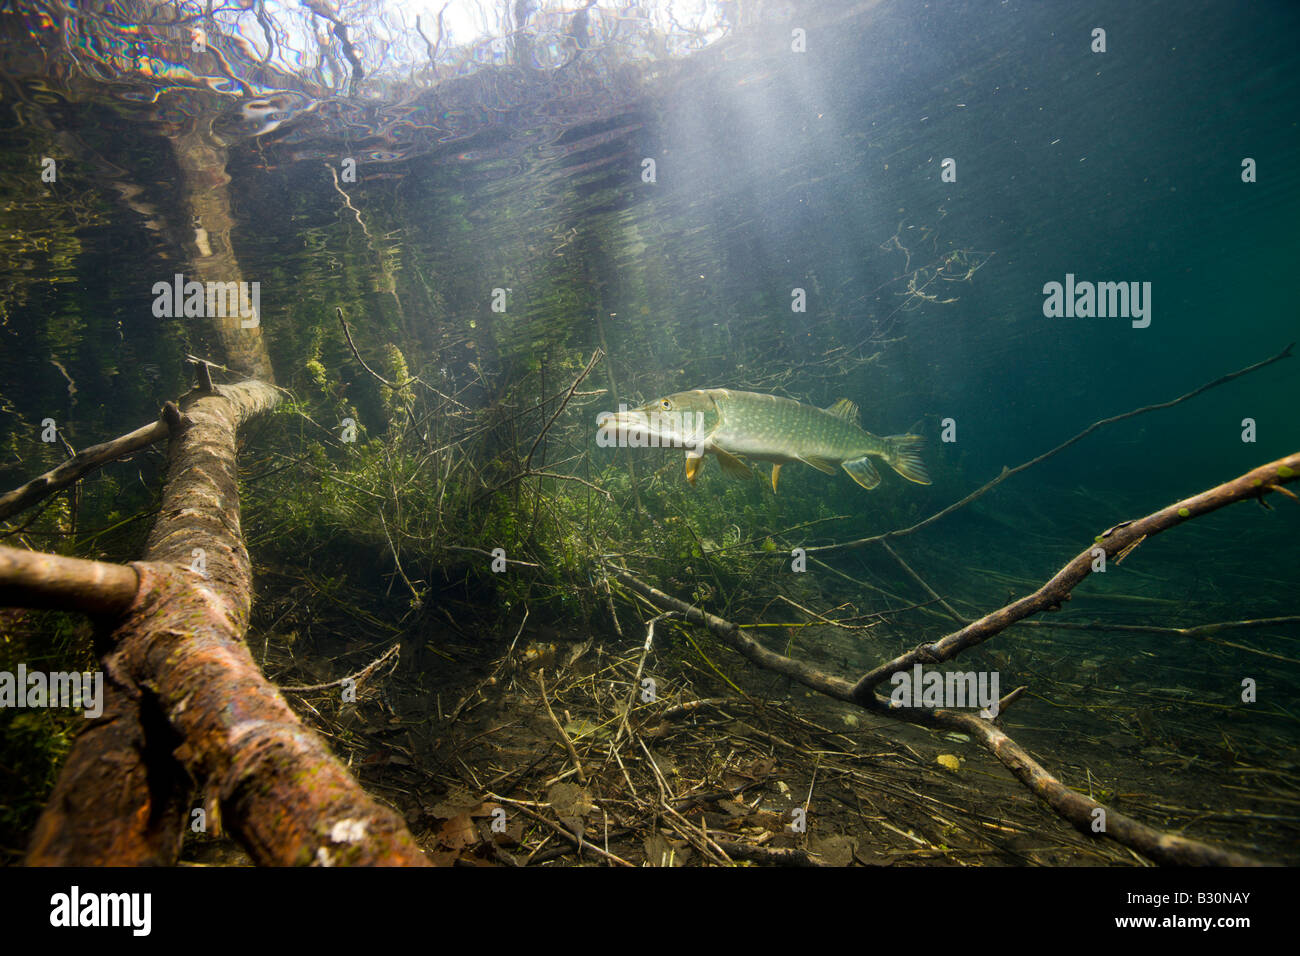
(934, 595)
(347, 333)
(1201, 632)
(80, 465)
(576, 840)
(1197, 631)
(781, 856)
(1073, 807)
(359, 677)
(1084, 812)
(640, 667)
(559, 728)
(186, 704)
(1120, 539)
(33, 579)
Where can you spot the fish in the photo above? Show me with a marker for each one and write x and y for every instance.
(733, 425)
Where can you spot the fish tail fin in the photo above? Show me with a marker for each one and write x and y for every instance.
(903, 454)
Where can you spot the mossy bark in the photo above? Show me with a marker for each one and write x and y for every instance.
(186, 706)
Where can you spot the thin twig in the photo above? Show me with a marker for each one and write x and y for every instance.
(79, 465)
(572, 838)
(921, 581)
(636, 681)
(352, 345)
(360, 676)
(568, 743)
(1008, 472)
(528, 460)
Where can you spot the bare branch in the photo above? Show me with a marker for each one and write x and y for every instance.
(33, 579)
(80, 465)
(1121, 538)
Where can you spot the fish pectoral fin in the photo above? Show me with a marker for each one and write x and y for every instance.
(693, 466)
(821, 464)
(863, 472)
(732, 466)
(776, 474)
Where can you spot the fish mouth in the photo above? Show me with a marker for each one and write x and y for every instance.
(637, 428)
(617, 428)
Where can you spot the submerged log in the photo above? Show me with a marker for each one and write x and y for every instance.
(185, 705)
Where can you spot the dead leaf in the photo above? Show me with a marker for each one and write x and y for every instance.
(660, 851)
(836, 850)
(456, 802)
(569, 800)
(458, 833)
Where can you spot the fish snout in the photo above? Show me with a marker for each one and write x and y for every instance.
(616, 428)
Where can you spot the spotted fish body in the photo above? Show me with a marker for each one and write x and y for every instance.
(732, 425)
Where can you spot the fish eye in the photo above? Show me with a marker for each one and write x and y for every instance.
(666, 405)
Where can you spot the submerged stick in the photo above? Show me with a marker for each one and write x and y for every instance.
(1198, 630)
(1083, 812)
(357, 678)
(1254, 484)
(559, 728)
(1008, 472)
(80, 465)
(528, 461)
(33, 579)
(636, 681)
(347, 333)
(921, 581)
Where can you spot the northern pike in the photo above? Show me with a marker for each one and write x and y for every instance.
(733, 425)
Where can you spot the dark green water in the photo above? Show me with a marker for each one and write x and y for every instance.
(774, 171)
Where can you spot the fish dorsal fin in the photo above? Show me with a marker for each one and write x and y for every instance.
(844, 409)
